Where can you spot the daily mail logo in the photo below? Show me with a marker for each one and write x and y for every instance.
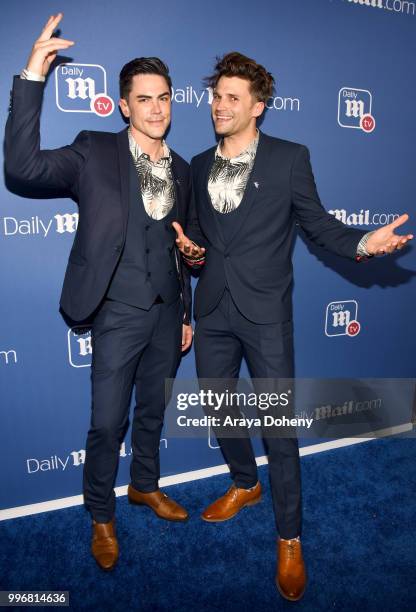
(341, 319)
(354, 109)
(79, 347)
(36, 226)
(82, 88)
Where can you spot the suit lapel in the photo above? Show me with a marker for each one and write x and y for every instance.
(124, 161)
(212, 218)
(178, 188)
(252, 185)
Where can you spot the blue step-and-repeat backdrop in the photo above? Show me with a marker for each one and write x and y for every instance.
(345, 87)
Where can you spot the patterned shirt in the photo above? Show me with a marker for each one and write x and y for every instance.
(228, 177)
(156, 181)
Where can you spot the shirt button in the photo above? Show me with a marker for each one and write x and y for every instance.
(147, 250)
(148, 275)
(147, 227)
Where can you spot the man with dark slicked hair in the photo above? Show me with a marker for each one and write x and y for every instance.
(122, 273)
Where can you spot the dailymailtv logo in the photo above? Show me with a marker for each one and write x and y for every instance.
(341, 319)
(82, 88)
(354, 109)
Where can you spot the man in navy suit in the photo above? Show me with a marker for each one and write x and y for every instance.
(249, 192)
(122, 271)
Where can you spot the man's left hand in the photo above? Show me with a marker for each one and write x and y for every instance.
(384, 240)
(186, 337)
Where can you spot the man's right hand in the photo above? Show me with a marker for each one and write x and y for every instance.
(46, 47)
(190, 250)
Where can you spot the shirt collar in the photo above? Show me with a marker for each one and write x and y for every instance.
(137, 152)
(249, 152)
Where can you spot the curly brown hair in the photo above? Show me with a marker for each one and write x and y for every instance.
(239, 65)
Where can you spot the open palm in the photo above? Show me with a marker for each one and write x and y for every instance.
(384, 240)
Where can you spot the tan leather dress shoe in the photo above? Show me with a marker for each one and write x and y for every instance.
(162, 505)
(231, 503)
(291, 573)
(104, 545)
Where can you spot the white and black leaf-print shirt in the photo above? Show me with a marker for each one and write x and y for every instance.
(155, 178)
(228, 177)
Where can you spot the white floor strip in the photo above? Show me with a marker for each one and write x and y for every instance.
(166, 481)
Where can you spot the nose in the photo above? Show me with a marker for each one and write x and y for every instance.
(221, 105)
(156, 110)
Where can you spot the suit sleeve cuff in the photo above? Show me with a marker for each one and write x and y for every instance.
(186, 319)
(28, 75)
(362, 253)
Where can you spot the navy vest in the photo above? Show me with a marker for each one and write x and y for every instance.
(227, 223)
(147, 267)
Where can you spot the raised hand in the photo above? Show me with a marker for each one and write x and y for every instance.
(384, 240)
(46, 47)
(188, 248)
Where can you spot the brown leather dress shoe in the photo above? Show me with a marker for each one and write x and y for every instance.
(104, 545)
(162, 505)
(231, 503)
(291, 573)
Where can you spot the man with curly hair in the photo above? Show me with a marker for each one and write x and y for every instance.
(249, 192)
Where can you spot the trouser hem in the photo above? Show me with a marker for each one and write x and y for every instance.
(145, 488)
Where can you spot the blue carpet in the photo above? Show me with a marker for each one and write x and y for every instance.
(359, 544)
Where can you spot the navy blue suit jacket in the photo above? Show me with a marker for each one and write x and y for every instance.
(256, 261)
(94, 171)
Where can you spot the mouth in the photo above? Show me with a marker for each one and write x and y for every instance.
(222, 118)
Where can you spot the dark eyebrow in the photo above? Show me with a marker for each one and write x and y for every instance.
(166, 93)
(226, 94)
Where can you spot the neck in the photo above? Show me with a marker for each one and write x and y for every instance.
(235, 144)
(153, 147)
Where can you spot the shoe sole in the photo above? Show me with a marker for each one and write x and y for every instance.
(252, 502)
(165, 518)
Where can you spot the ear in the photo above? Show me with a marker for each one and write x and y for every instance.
(124, 107)
(258, 108)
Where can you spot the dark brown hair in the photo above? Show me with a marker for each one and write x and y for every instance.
(238, 65)
(142, 65)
